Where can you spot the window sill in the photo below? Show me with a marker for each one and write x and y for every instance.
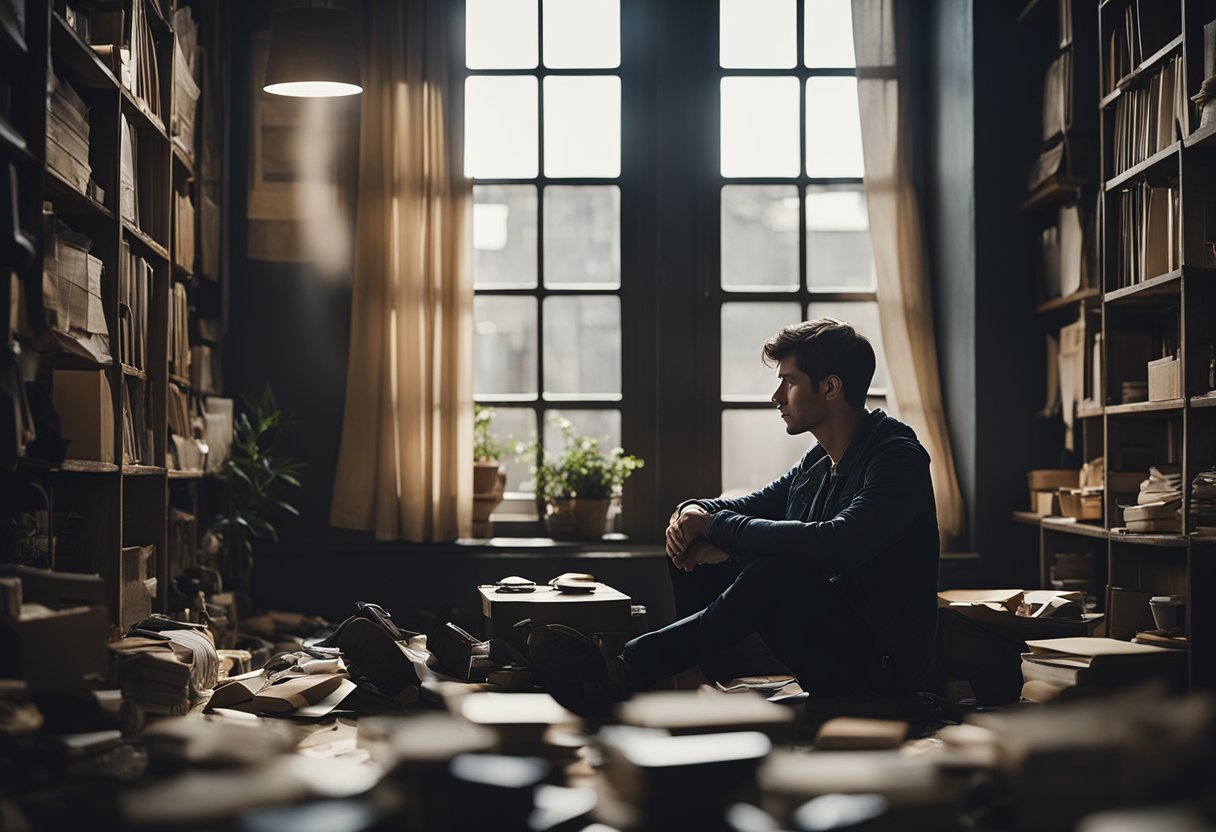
(344, 543)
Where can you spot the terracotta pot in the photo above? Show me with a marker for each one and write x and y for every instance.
(560, 520)
(592, 517)
(485, 478)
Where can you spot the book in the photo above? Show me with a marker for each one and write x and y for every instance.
(854, 734)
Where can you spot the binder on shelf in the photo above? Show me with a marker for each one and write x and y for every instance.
(73, 311)
(134, 296)
(179, 335)
(183, 230)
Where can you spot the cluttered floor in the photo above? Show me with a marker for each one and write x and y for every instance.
(284, 721)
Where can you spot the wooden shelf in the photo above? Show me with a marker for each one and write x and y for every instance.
(1055, 191)
(133, 233)
(1206, 400)
(181, 160)
(82, 63)
(1141, 73)
(185, 475)
(1143, 167)
(1122, 535)
(12, 144)
(1067, 525)
(1090, 412)
(1204, 137)
(1162, 287)
(1144, 407)
(65, 195)
(1081, 296)
(143, 470)
(1028, 518)
(137, 113)
(87, 466)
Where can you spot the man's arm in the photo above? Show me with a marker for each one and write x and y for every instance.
(896, 494)
(768, 502)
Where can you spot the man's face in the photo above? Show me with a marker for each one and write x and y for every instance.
(802, 407)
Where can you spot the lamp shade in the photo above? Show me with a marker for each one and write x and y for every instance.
(313, 54)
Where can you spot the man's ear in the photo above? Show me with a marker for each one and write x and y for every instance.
(833, 387)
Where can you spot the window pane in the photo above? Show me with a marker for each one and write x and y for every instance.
(760, 127)
(745, 328)
(582, 33)
(504, 349)
(833, 128)
(500, 127)
(760, 237)
(757, 33)
(756, 449)
(604, 425)
(583, 126)
(583, 236)
(863, 315)
(514, 425)
(500, 34)
(838, 238)
(828, 33)
(504, 236)
(583, 347)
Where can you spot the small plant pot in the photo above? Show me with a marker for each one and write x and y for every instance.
(485, 478)
(592, 517)
(561, 521)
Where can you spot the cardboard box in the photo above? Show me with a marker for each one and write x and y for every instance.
(55, 649)
(1081, 504)
(1045, 482)
(86, 413)
(1164, 379)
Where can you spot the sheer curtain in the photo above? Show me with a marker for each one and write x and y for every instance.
(904, 301)
(405, 466)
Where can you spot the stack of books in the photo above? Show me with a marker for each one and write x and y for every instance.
(1146, 119)
(1203, 503)
(123, 39)
(527, 724)
(134, 297)
(165, 666)
(1069, 668)
(67, 138)
(1149, 245)
(1159, 504)
(73, 310)
(705, 711)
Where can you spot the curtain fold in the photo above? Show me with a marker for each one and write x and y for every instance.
(405, 464)
(904, 297)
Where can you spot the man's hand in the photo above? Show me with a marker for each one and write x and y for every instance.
(684, 528)
(701, 551)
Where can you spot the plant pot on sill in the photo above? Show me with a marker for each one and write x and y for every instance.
(561, 520)
(488, 486)
(592, 517)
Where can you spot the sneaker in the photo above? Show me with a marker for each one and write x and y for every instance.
(374, 654)
(574, 672)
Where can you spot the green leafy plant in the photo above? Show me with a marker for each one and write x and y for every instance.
(256, 482)
(583, 469)
(487, 447)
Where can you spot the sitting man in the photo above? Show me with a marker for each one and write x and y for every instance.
(834, 565)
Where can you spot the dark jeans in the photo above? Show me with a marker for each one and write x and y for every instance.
(799, 616)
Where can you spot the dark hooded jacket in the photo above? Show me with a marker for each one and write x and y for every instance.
(869, 525)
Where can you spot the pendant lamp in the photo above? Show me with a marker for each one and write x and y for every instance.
(313, 53)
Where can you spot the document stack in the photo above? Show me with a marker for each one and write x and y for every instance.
(1146, 119)
(71, 294)
(1203, 503)
(185, 85)
(1150, 222)
(1159, 504)
(123, 40)
(1069, 668)
(179, 334)
(165, 665)
(67, 138)
(183, 231)
(134, 296)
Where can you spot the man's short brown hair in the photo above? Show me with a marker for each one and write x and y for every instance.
(827, 347)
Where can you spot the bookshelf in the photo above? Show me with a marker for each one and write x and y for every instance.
(112, 161)
(1155, 299)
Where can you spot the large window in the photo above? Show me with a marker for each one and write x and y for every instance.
(543, 144)
(559, 171)
(794, 236)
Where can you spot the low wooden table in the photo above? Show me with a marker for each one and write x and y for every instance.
(606, 610)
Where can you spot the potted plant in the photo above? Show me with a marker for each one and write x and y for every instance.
(581, 482)
(256, 481)
(489, 481)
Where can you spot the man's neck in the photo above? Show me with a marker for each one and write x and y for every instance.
(835, 434)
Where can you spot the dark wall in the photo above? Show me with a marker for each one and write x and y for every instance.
(984, 118)
(288, 323)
